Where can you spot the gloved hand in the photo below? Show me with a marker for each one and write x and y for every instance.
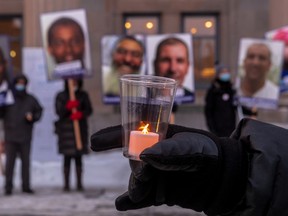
(190, 168)
(76, 115)
(72, 104)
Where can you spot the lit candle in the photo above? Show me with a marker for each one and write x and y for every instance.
(140, 140)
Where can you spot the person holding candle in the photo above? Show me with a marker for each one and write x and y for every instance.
(245, 174)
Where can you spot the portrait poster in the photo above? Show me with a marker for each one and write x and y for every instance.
(120, 54)
(171, 55)
(66, 44)
(259, 69)
(281, 34)
(6, 76)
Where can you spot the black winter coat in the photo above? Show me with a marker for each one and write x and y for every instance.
(16, 127)
(220, 111)
(267, 149)
(64, 125)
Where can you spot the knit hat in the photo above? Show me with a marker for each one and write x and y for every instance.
(21, 76)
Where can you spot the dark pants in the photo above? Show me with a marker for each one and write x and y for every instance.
(13, 149)
(67, 161)
(78, 166)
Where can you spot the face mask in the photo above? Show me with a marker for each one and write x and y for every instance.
(20, 87)
(224, 77)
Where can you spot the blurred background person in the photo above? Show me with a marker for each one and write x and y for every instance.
(19, 119)
(6, 98)
(219, 109)
(127, 58)
(6, 95)
(65, 129)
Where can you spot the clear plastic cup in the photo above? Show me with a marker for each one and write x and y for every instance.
(146, 104)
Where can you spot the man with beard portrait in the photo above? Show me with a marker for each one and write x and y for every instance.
(127, 58)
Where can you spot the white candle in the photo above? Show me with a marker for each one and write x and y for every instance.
(139, 141)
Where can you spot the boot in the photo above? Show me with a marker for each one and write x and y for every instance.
(66, 179)
(79, 178)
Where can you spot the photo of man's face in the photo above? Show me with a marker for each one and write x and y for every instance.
(66, 44)
(258, 78)
(170, 55)
(172, 61)
(257, 62)
(127, 56)
(66, 41)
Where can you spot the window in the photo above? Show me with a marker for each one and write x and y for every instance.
(204, 30)
(141, 24)
(11, 26)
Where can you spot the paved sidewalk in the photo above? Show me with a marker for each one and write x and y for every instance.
(105, 178)
(96, 202)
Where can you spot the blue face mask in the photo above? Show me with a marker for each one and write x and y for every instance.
(225, 77)
(20, 87)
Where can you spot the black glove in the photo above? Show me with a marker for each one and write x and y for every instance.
(190, 168)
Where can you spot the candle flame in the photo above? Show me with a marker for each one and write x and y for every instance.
(145, 129)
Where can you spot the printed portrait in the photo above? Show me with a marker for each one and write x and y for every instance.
(170, 55)
(121, 54)
(66, 44)
(259, 69)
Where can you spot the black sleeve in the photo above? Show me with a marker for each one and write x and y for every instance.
(37, 110)
(86, 106)
(60, 102)
(209, 109)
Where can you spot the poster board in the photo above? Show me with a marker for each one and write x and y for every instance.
(121, 54)
(175, 61)
(66, 44)
(259, 68)
(116, 64)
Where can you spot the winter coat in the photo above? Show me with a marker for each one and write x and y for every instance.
(220, 111)
(64, 125)
(267, 150)
(16, 127)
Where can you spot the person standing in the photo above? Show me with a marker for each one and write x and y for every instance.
(6, 98)
(65, 130)
(19, 119)
(220, 111)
